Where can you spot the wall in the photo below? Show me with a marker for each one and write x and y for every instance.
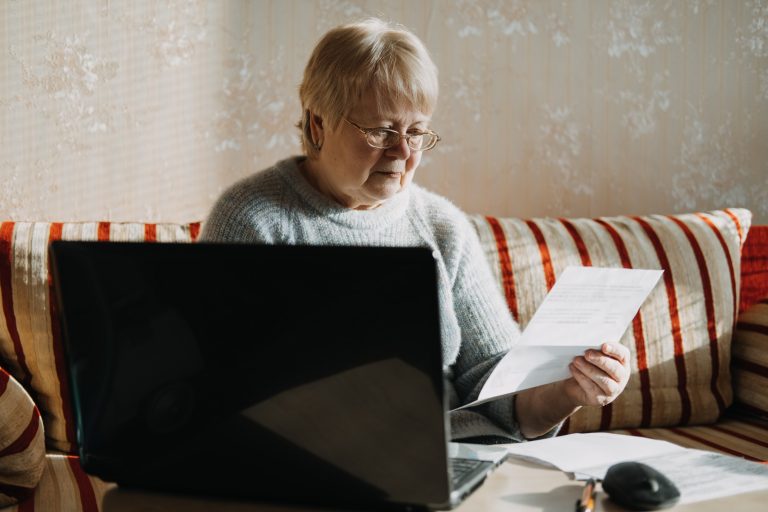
(146, 110)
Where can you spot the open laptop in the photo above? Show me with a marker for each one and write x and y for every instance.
(277, 373)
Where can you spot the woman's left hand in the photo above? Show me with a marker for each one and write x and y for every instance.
(599, 376)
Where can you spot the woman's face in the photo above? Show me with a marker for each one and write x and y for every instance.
(355, 174)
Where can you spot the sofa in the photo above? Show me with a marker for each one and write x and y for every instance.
(699, 344)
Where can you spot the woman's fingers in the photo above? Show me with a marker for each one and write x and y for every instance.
(598, 375)
(591, 393)
(616, 351)
(612, 367)
(602, 374)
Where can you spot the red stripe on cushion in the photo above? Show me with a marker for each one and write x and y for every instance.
(636, 432)
(6, 282)
(194, 230)
(507, 276)
(749, 366)
(719, 235)
(4, 378)
(749, 326)
(606, 414)
(579, 241)
(17, 492)
(25, 438)
(741, 436)
(618, 242)
(104, 228)
(546, 258)
(709, 307)
(87, 494)
(638, 332)
(674, 315)
(55, 233)
(712, 444)
(150, 232)
(736, 222)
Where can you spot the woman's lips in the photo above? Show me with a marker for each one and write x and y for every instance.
(391, 174)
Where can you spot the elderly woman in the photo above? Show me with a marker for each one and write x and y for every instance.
(368, 94)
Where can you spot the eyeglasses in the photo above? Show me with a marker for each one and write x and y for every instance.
(384, 138)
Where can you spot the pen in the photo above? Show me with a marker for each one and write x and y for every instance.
(587, 501)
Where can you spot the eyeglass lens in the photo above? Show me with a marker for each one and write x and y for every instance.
(388, 138)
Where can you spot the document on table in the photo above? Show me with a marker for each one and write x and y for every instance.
(699, 475)
(586, 307)
(579, 453)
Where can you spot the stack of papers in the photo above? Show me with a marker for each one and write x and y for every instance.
(699, 475)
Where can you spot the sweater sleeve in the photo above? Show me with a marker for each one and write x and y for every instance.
(488, 331)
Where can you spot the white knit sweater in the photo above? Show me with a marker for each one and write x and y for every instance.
(278, 206)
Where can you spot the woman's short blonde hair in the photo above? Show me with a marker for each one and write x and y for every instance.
(351, 59)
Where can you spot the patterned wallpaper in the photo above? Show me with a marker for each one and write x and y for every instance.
(146, 110)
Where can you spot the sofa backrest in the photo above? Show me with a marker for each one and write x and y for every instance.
(680, 342)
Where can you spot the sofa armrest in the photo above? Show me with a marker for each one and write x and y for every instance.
(22, 442)
(750, 359)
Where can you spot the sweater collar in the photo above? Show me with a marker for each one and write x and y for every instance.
(384, 216)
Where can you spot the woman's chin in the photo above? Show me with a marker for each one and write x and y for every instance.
(387, 192)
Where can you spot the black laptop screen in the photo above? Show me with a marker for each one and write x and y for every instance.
(311, 374)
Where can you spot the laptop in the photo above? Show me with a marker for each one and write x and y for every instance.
(309, 375)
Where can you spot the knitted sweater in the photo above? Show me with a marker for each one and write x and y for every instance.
(278, 206)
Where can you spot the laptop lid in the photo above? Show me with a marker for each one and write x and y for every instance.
(288, 373)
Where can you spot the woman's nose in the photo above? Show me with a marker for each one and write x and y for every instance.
(401, 150)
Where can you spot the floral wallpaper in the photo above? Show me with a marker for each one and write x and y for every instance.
(146, 110)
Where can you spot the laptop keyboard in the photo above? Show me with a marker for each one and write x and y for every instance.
(462, 468)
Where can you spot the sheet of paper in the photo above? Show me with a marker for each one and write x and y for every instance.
(586, 307)
(577, 453)
(699, 475)
(589, 306)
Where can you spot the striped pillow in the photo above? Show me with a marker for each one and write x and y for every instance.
(22, 442)
(679, 341)
(30, 347)
(65, 487)
(750, 359)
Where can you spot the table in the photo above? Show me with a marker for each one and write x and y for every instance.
(517, 486)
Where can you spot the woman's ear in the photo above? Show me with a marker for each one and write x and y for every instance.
(316, 130)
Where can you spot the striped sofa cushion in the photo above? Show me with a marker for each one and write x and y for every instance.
(735, 434)
(30, 346)
(750, 360)
(22, 443)
(680, 339)
(64, 487)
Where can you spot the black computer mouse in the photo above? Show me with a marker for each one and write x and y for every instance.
(637, 486)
